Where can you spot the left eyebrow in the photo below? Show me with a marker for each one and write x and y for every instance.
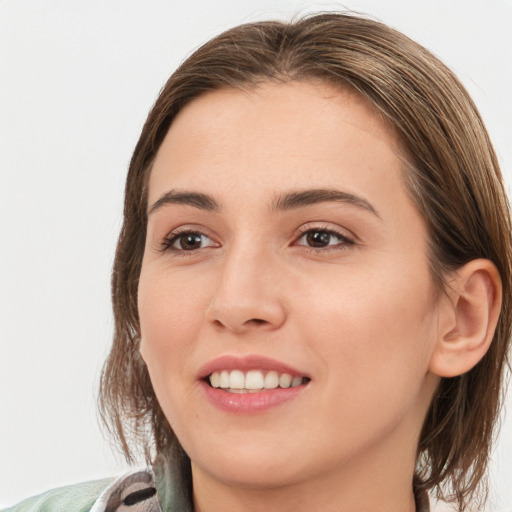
(299, 199)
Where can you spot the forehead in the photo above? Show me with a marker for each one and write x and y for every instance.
(293, 131)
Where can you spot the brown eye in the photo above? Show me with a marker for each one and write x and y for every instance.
(323, 238)
(187, 241)
(318, 238)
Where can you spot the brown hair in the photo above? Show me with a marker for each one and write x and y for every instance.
(454, 180)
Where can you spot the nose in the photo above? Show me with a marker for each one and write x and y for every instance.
(248, 295)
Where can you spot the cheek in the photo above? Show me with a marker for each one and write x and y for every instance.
(376, 331)
(374, 359)
(171, 314)
(170, 317)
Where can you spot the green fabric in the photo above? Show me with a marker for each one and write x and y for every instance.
(73, 498)
(173, 480)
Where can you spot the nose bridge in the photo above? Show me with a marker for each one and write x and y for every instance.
(248, 294)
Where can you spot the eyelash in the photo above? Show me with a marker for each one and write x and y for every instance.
(170, 239)
(344, 240)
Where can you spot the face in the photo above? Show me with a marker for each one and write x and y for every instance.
(286, 307)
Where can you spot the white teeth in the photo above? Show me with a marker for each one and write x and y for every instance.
(237, 380)
(296, 381)
(224, 379)
(215, 379)
(271, 380)
(285, 380)
(253, 380)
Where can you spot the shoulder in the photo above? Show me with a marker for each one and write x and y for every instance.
(135, 489)
(72, 498)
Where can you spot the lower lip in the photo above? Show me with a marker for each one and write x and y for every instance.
(250, 402)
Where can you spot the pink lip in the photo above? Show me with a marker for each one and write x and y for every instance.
(248, 402)
(246, 363)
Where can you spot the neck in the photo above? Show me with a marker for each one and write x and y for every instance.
(386, 488)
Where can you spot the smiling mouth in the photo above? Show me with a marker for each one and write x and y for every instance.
(253, 381)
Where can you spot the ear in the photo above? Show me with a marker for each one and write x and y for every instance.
(468, 316)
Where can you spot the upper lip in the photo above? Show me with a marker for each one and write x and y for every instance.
(246, 363)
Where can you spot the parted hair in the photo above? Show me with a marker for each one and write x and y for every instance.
(453, 178)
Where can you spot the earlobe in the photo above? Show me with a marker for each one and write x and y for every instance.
(472, 308)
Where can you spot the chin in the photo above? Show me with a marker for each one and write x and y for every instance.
(253, 475)
(251, 466)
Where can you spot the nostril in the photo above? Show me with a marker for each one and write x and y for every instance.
(256, 321)
(253, 323)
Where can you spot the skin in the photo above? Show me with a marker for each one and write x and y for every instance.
(359, 316)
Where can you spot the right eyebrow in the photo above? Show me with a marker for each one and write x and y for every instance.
(195, 199)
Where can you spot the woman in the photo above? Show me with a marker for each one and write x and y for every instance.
(311, 286)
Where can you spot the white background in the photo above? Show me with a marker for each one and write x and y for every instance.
(77, 78)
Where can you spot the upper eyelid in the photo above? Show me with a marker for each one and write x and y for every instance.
(178, 232)
(344, 241)
(188, 228)
(325, 226)
(304, 228)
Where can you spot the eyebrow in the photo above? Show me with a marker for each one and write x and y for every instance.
(195, 199)
(299, 199)
(282, 202)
